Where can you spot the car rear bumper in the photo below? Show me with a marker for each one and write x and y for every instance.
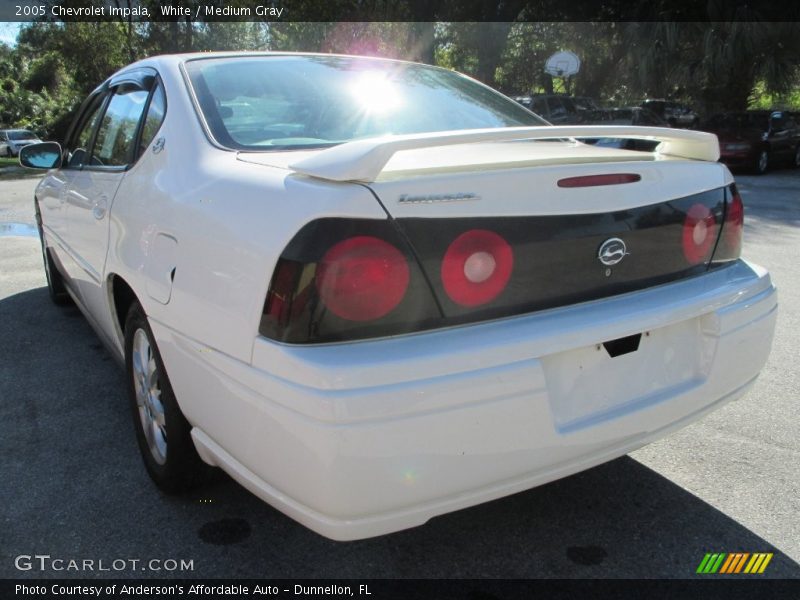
(360, 439)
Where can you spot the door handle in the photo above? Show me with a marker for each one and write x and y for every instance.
(100, 208)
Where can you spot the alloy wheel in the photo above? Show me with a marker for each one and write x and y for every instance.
(148, 396)
(763, 161)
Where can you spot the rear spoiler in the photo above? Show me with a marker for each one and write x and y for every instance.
(363, 160)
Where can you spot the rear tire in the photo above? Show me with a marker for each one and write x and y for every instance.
(162, 432)
(55, 282)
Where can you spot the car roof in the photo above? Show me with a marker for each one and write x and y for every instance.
(177, 59)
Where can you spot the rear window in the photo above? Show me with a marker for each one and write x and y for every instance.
(294, 102)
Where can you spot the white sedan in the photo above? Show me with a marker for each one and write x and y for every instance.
(375, 291)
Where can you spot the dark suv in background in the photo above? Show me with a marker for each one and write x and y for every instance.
(674, 113)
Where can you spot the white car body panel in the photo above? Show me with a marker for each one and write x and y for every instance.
(363, 438)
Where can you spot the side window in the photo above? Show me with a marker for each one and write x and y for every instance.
(154, 118)
(3, 137)
(778, 123)
(540, 106)
(116, 137)
(78, 147)
(557, 110)
(569, 106)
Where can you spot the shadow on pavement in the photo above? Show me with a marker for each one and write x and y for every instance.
(74, 487)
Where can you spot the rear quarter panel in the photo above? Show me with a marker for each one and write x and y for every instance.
(230, 221)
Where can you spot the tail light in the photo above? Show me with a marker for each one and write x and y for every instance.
(345, 279)
(362, 278)
(699, 234)
(596, 180)
(733, 229)
(729, 246)
(476, 267)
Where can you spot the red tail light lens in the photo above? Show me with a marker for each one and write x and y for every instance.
(699, 234)
(281, 292)
(476, 267)
(362, 278)
(734, 226)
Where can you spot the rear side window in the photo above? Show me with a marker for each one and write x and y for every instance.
(114, 145)
(154, 118)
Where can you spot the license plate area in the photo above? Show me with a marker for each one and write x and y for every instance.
(606, 380)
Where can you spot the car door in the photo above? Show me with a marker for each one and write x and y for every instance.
(51, 194)
(91, 189)
(780, 138)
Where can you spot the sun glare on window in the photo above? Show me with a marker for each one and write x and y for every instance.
(375, 93)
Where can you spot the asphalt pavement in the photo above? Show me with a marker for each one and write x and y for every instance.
(73, 485)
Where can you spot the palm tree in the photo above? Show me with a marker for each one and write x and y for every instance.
(716, 64)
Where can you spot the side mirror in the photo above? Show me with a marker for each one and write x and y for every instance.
(44, 155)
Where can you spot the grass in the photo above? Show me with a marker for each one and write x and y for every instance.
(9, 162)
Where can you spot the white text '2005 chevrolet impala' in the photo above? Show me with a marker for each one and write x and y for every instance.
(375, 291)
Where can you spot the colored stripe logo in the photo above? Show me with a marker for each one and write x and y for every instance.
(734, 562)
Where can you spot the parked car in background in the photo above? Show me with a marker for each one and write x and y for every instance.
(756, 139)
(375, 291)
(585, 103)
(560, 109)
(674, 113)
(12, 140)
(557, 109)
(631, 115)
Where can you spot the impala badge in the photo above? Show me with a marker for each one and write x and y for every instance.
(612, 251)
(431, 198)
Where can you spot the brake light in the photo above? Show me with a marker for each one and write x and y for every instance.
(596, 180)
(699, 234)
(362, 278)
(734, 226)
(476, 267)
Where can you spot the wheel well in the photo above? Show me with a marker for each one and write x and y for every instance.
(122, 296)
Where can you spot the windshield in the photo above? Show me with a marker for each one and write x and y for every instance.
(21, 134)
(293, 102)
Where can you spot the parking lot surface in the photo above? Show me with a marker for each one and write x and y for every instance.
(73, 485)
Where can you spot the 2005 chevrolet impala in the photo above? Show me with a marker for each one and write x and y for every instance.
(375, 291)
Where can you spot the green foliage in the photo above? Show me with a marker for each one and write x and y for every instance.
(762, 99)
(726, 64)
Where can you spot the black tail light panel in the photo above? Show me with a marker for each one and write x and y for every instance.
(517, 265)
